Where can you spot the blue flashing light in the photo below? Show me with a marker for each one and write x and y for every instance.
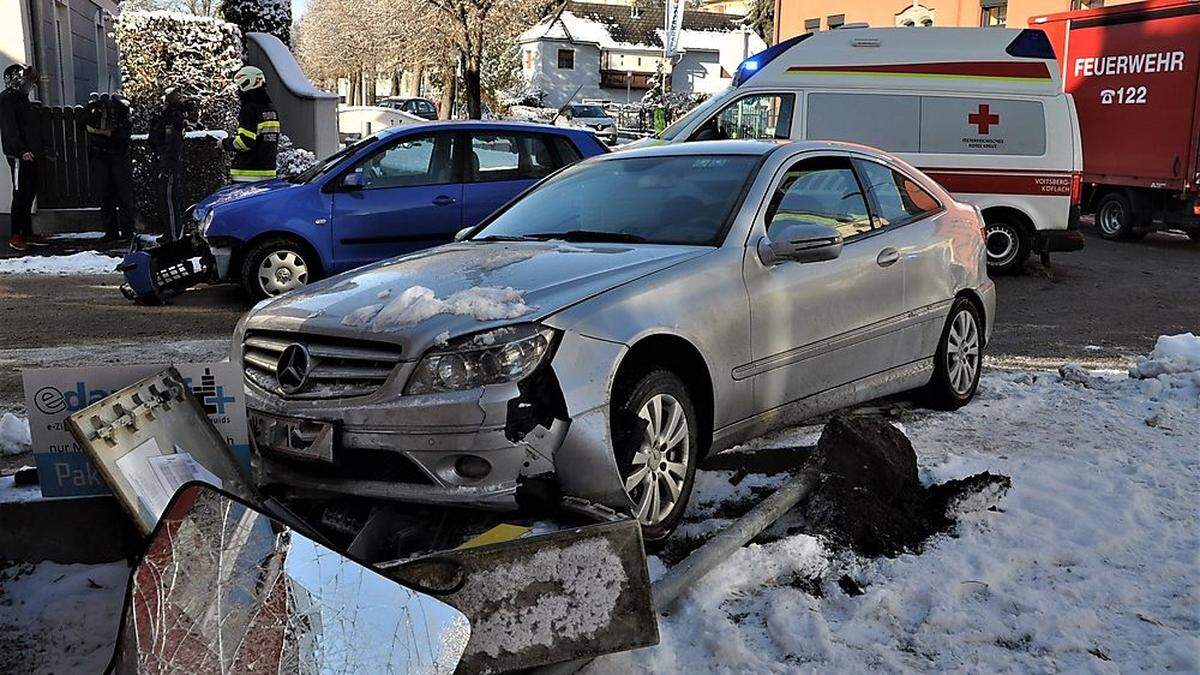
(749, 65)
(756, 62)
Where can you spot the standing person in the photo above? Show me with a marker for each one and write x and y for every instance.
(109, 127)
(256, 143)
(24, 147)
(166, 139)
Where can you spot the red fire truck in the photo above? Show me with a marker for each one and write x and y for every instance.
(1134, 72)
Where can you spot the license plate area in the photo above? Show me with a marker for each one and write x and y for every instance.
(292, 436)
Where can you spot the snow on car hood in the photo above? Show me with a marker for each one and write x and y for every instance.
(461, 288)
(237, 191)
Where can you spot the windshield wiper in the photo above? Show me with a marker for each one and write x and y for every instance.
(588, 236)
(502, 237)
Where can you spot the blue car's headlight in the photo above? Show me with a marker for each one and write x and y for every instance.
(205, 222)
(497, 356)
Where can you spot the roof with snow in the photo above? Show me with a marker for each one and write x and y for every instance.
(616, 26)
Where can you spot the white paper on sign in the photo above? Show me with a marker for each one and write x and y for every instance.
(155, 477)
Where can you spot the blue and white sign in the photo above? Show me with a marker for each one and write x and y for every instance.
(52, 394)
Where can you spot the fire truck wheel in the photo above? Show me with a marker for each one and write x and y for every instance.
(1114, 218)
(1008, 246)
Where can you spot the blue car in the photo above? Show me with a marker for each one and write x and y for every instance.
(403, 189)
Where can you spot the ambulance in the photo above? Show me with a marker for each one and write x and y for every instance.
(980, 110)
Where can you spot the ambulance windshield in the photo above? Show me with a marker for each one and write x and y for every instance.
(703, 111)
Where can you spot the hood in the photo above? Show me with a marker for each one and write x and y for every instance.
(593, 121)
(456, 289)
(235, 192)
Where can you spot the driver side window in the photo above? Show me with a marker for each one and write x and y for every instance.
(412, 162)
(824, 191)
(758, 116)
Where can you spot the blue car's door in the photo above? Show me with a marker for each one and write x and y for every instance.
(500, 164)
(405, 196)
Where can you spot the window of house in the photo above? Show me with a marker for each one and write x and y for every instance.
(835, 21)
(898, 198)
(1086, 4)
(755, 117)
(824, 191)
(566, 59)
(994, 14)
(812, 25)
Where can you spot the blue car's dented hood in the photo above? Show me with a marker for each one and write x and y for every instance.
(236, 192)
(530, 280)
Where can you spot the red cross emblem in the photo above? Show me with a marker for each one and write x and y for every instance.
(983, 119)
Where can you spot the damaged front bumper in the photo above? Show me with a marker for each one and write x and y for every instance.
(487, 447)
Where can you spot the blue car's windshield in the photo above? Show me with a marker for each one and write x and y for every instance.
(657, 200)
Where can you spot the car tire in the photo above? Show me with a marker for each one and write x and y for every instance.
(1115, 218)
(958, 362)
(1008, 245)
(275, 266)
(657, 474)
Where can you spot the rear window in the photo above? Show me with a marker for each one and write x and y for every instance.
(929, 124)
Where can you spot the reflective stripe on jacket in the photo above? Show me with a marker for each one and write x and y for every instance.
(256, 142)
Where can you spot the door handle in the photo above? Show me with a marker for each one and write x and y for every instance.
(888, 256)
(444, 200)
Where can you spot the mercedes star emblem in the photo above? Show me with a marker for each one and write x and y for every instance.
(292, 369)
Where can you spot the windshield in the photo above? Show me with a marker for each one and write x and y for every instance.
(631, 200)
(703, 111)
(588, 111)
(322, 167)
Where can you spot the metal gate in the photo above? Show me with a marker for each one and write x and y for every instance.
(65, 180)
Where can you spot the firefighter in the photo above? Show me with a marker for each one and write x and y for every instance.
(109, 127)
(166, 139)
(24, 148)
(256, 142)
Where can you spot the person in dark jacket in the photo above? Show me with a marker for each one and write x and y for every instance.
(24, 148)
(256, 142)
(166, 139)
(109, 127)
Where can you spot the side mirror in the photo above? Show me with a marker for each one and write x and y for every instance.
(706, 133)
(801, 242)
(353, 181)
(462, 234)
(223, 587)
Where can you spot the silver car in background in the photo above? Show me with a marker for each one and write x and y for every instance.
(589, 116)
(627, 316)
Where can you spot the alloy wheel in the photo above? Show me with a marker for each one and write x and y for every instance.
(659, 466)
(282, 271)
(962, 353)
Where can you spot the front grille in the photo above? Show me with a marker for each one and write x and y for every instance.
(337, 367)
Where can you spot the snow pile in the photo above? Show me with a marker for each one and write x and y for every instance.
(1173, 368)
(84, 262)
(14, 434)
(165, 49)
(418, 303)
(1088, 564)
(60, 618)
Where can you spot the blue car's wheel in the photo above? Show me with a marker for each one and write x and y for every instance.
(275, 266)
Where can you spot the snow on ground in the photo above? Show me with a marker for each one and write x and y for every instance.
(84, 262)
(59, 618)
(1091, 562)
(14, 434)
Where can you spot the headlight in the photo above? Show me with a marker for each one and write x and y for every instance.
(205, 222)
(496, 356)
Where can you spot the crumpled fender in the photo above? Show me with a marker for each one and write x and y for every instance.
(585, 464)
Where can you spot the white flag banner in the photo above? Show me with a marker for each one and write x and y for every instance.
(674, 24)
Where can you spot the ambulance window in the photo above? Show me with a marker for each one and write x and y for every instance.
(821, 190)
(898, 198)
(757, 116)
(888, 121)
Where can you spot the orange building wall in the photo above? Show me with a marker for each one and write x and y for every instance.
(791, 14)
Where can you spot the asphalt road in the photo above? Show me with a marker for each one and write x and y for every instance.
(1101, 306)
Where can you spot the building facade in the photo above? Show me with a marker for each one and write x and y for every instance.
(793, 17)
(609, 52)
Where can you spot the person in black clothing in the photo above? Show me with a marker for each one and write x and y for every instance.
(109, 127)
(166, 139)
(256, 142)
(24, 147)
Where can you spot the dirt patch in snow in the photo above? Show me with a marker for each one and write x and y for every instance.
(869, 498)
